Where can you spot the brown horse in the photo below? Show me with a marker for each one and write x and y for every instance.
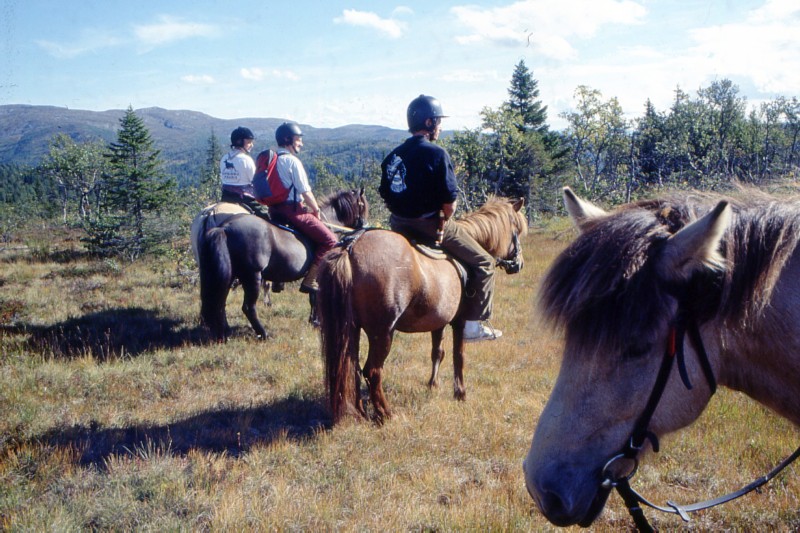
(721, 273)
(381, 284)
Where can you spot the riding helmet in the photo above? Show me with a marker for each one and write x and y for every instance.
(239, 135)
(285, 132)
(420, 109)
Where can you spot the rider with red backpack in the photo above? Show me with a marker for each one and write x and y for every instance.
(300, 207)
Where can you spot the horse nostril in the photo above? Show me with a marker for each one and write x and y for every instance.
(553, 507)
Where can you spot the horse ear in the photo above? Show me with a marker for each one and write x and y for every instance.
(581, 212)
(518, 204)
(696, 246)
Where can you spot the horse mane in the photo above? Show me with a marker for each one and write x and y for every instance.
(493, 224)
(606, 291)
(346, 206)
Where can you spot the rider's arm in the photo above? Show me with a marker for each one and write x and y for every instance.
(311, 203)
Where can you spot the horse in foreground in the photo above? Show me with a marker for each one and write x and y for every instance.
(381, 284)
(709, 284)
(252, 250)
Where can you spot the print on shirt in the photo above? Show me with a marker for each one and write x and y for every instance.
(229, 174)
(396, 171)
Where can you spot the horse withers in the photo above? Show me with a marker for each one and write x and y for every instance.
(252, 250)
(702, 282)
(380, 284)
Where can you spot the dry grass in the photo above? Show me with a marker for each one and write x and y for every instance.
(118, 415)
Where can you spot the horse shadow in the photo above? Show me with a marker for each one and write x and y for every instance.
(230, 431)
(110, 333)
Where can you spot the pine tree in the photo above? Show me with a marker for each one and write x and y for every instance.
(524, 99)
(136, 193)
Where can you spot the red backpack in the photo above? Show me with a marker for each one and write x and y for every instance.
(268, 186)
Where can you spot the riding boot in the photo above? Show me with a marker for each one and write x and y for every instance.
(309, 283)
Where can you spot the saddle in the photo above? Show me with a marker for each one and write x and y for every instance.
(434, 252)
(427, 248)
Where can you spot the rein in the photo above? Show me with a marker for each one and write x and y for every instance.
(674, 352)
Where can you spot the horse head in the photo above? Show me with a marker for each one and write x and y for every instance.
(350, 207)
(616, 291)
(498, 226)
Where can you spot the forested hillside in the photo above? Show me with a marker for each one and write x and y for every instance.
(53, 160)
(181, 136)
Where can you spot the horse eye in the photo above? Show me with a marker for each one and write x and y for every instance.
(637, 350)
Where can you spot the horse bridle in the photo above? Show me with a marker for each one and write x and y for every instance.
(513, 265)
(683, 324)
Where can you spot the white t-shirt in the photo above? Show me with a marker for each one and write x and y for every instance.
(237, 168)
(292, 173)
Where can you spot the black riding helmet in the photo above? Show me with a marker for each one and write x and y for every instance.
(421, 109)
(239, 135)
(285, 132)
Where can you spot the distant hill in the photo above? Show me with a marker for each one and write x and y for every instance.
(182, 136)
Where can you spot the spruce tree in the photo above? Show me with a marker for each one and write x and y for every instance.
(137, 192)
(210, 183)
(524, 99)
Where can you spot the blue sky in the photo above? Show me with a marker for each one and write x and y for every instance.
(329, 63)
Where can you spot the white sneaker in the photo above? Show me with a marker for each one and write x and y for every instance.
(475, 331)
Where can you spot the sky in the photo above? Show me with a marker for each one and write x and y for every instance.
(329, 63)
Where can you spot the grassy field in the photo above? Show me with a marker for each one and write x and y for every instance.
(117, 414)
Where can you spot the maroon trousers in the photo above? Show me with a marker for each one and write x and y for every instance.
(309, 225)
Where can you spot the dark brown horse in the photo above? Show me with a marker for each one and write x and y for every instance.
(247, 248)
(381, 284)
(710, 285)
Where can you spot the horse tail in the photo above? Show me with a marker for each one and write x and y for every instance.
(338, 332)
(216, 276)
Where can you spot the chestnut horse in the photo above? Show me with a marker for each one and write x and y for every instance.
(252, 250)
(707, 283)
(381, 284)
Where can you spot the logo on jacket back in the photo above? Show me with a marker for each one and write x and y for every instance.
(396, 171)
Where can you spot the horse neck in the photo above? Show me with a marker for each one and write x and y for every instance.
(759, 352)
(482, 233)
(761, 360)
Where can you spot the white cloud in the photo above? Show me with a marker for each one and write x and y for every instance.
(259, 74)
(763, 48)
(90, 41)
(198, 79)
(390, 27)
(543, 25)
(169, 29)
(468, 76)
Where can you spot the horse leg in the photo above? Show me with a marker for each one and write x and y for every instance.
(459, 389)
(379, 346)
(437, 356)
(251, 289)
(353, 353)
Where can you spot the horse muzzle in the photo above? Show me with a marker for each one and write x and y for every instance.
(511, 266)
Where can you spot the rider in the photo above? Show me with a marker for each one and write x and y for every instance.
(236, 169)
(417, 184)
(301, 208)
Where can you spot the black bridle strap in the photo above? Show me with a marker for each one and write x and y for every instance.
(674, 350)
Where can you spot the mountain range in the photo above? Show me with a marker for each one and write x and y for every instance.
(182, 136)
